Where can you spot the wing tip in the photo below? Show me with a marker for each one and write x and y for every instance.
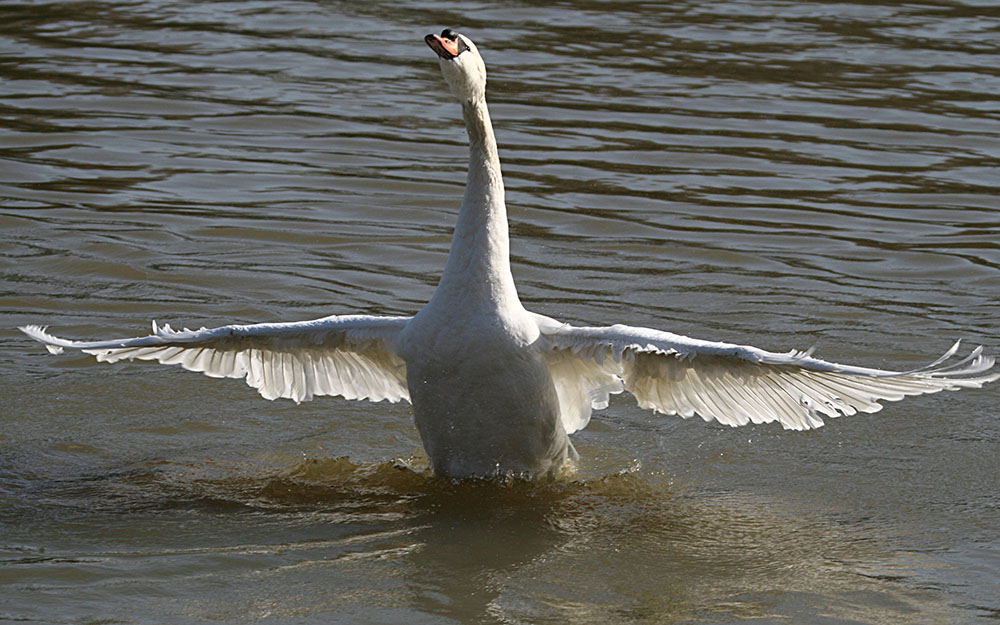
(963, 372)
(34, 331)
(39, 334)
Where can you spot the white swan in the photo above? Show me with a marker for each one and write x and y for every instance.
(496, 389)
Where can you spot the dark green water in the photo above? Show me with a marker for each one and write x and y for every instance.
(784, 174)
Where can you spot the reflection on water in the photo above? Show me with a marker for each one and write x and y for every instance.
(385, 537)
(783, 174)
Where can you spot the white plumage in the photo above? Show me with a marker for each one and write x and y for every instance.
(740, 384)
(496, 389)
(352, 355)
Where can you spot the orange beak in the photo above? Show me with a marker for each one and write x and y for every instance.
(446, 49)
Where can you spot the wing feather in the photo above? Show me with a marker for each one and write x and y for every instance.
(353, 355)
(739, 384)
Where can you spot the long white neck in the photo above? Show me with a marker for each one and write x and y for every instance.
(478, 269)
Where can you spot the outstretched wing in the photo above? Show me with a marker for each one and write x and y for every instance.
(352, 356)
(739, 384)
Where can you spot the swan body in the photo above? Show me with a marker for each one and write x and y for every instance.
(497, 390)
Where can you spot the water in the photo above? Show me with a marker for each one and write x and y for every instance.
(783, 174)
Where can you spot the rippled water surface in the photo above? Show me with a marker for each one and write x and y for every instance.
(784, 174)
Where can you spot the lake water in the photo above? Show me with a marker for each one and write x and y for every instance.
(784, 174)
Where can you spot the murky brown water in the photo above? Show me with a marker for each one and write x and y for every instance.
(784, 174)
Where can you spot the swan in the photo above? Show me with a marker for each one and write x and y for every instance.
(496, 390)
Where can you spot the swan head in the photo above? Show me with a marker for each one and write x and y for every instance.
(463, 68)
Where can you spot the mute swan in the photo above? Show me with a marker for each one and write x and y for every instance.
(496, 389)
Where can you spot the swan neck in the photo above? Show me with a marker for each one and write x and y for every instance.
(484, 157)
(478, 269)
